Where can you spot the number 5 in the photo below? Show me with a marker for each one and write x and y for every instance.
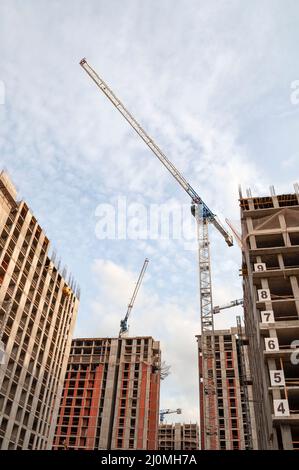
(277, 378)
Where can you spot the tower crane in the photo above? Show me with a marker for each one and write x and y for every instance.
(124, 328)
(203, 216)
(178, 411)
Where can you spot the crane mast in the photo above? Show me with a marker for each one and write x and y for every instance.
(124, 323)
(203, 216)
(208, 361)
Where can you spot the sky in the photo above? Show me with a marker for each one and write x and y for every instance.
(215, 83)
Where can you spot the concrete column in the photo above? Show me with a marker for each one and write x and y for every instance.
(275, 201)
(276, 391)
(286, 435)
(108, 397)
(252, 241)
(177, 436)
(265, 285)
(250, 203)
(295, 288)
(283, 226)
(280, 261)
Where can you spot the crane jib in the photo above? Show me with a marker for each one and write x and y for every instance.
(205, 212)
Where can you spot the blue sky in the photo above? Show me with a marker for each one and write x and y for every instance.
(210, 81)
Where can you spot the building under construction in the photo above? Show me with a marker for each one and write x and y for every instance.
(178, 436)
(234, 412)
(111, 395)
(38, 309)
(270, 248)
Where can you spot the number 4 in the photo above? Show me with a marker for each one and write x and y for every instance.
(281, 408)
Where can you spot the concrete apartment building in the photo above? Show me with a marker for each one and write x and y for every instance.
(235, 417)
(111, 395)
(270, 241)
(178, 436)
(37, 314)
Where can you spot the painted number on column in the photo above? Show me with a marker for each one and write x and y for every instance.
(267, 316)
(271, 344)
(281, 408)
(277, 378)
(263, 295)
(259, 267)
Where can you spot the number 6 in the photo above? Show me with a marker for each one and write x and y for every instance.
(271, 344)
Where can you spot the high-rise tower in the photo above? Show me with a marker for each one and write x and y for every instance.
(270, 240)
(111, 395)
